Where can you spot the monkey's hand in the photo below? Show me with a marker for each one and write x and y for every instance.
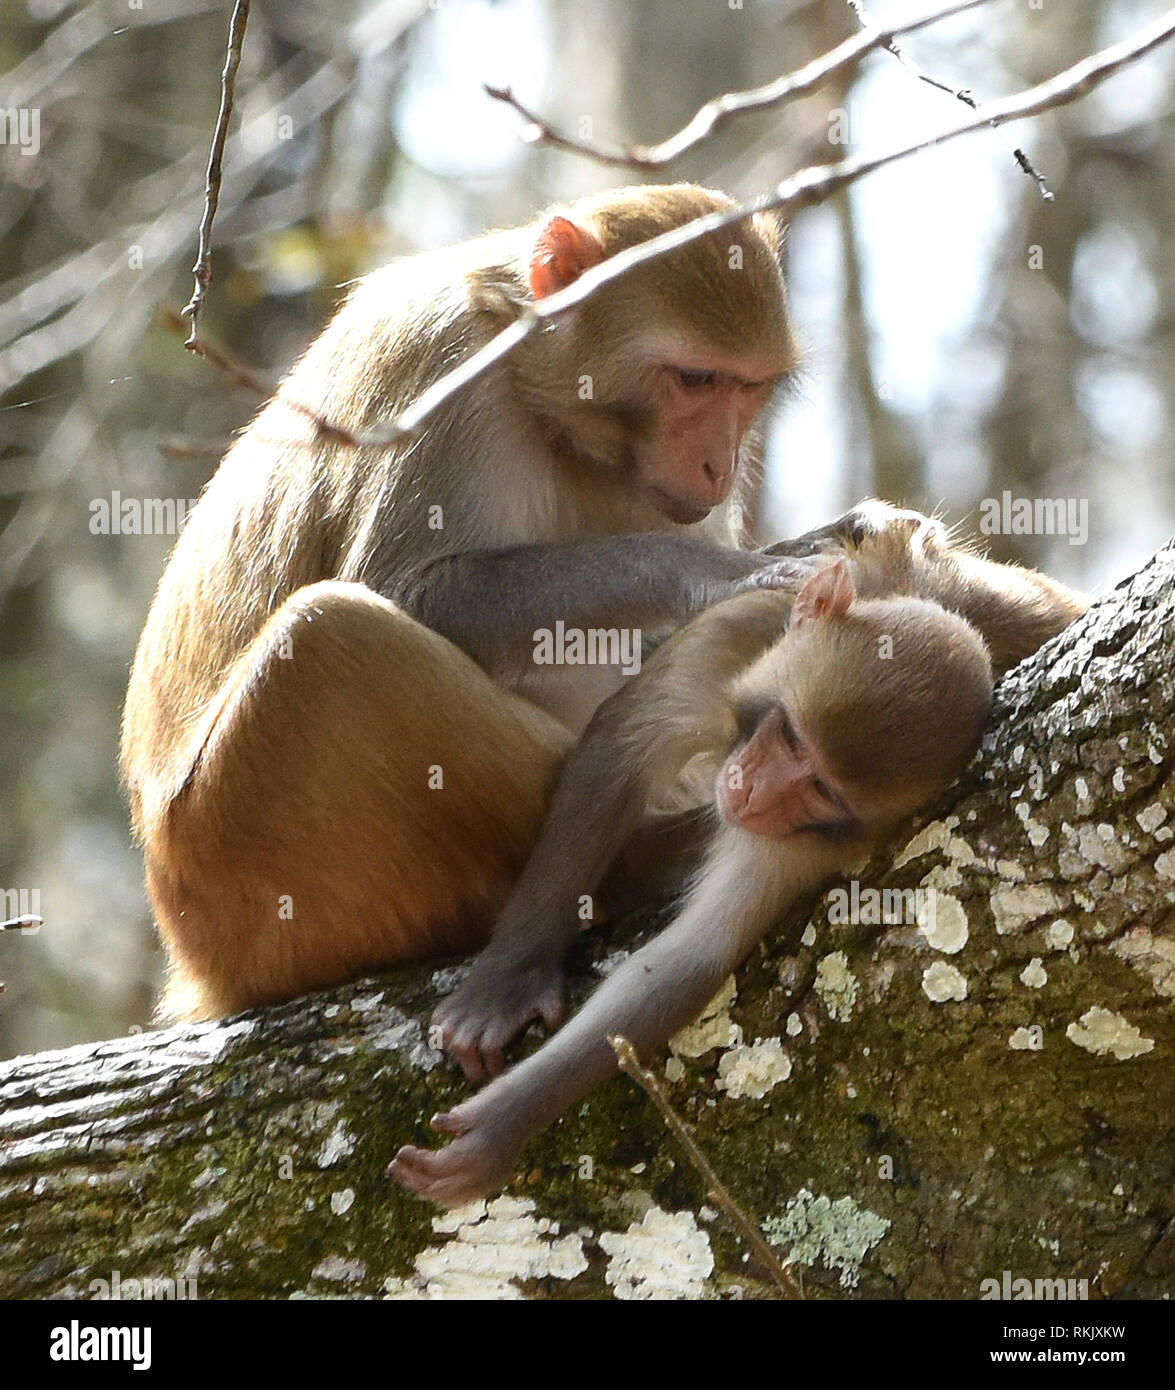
(480, 1160)
(491, 1006)
(791, 572)
(770, 572)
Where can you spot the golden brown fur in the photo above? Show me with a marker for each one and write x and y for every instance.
(284, 708)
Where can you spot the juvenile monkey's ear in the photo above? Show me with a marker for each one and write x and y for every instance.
(826, 595)
(561, 254)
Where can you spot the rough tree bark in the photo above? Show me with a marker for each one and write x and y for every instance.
(988, 1091)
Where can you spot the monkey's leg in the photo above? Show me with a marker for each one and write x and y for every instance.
(358, 793)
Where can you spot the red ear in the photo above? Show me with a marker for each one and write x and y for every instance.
(826, 595)
(561, 254)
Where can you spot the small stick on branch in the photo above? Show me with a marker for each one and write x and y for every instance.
(715, 113)
(250, 381)
(645, 1079)
(959, 93)
(202, 270)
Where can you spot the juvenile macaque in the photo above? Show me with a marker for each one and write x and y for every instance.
(828, 747)
(824, 739)
(336, 743)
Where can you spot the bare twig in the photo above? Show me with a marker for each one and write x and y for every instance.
(250, 381)
(959, 93)
(803, 189)
(630, 1065)
(715, 113)
(202, 270)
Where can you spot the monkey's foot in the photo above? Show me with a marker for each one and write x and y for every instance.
(869, 518)
(480, 1160)
(490, 1007)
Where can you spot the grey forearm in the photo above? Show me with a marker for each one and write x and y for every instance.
(490, 603)
(595, 807)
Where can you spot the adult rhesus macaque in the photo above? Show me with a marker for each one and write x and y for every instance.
(827, 737)
(336, 743)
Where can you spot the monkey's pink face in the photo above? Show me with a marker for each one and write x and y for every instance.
(777, 784)
(687, 457)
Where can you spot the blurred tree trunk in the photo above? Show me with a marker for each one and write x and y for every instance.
(916, 1148)
(1037, 435)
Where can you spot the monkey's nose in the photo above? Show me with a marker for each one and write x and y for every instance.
(718, 475)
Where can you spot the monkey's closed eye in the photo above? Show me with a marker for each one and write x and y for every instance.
(692, 380)
(823, 790)
(835, 832)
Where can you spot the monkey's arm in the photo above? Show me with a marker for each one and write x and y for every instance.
(636, 744)
(651, 580)
(747, 883)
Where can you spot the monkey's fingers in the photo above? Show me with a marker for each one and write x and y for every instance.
(788, 573)
(409, 1159)
(482, 1016)
(495, 1036)
(483, 1055)
(449, 1122)
(413, 1169)
(868, 518)
(455, 1174)
(553, 1008)
(465, 1051)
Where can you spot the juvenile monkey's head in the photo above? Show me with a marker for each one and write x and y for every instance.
(864, 711)
(659, 374)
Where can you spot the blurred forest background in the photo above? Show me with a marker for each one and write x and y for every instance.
(947, 360)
